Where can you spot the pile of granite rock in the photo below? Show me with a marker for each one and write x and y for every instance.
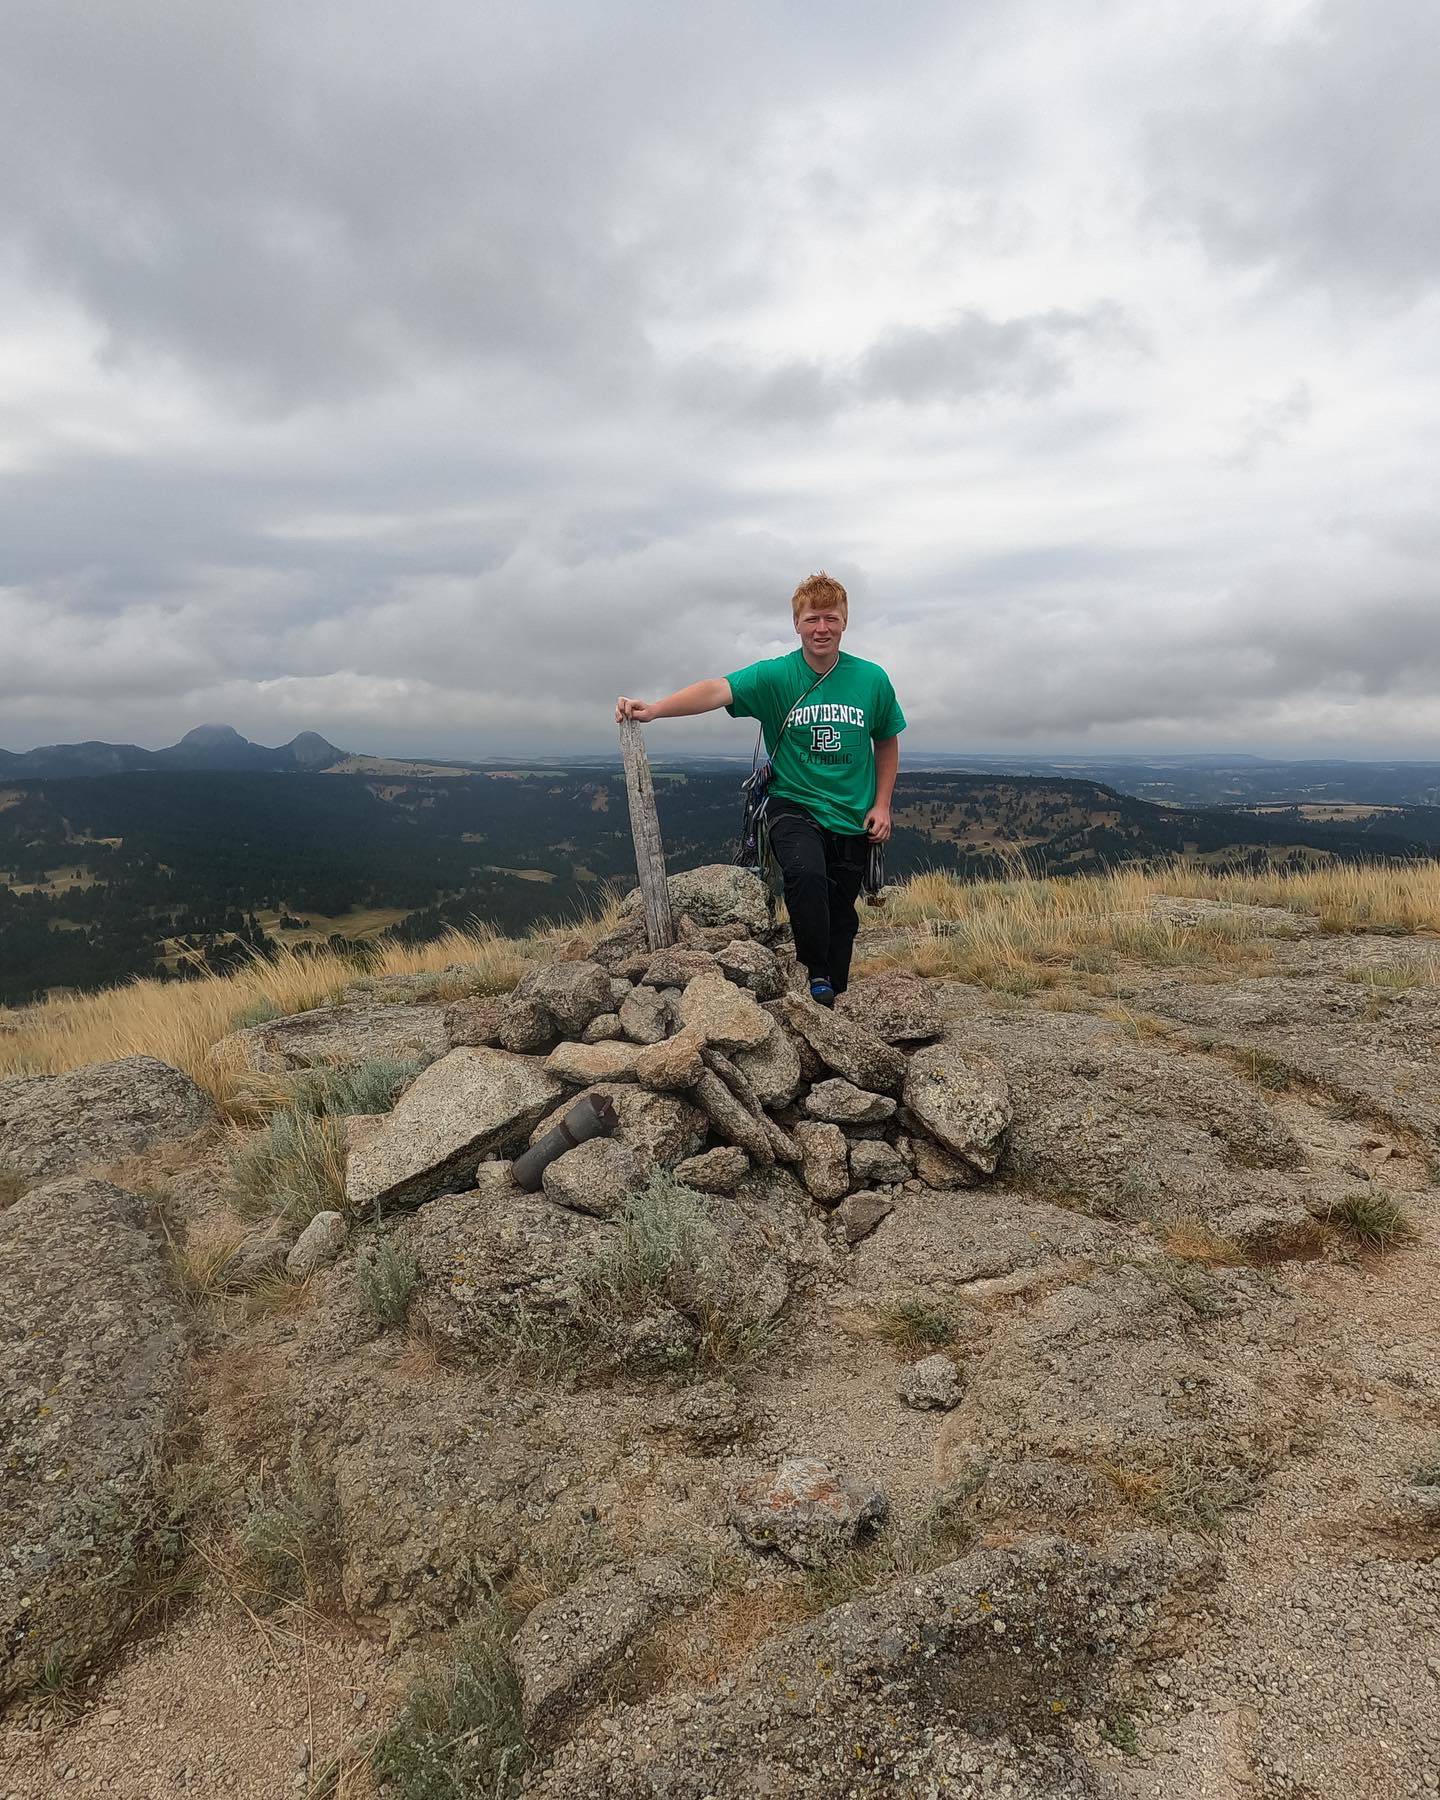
(717, 1063)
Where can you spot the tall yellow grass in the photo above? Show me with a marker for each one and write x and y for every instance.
(1023, 932)
(180, 1021)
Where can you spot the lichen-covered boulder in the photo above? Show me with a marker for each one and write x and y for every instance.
(930, 1385)
(845, 1104)
(824, 1166)
(962, 1099)
(672, 1063)
(772, 1068)
(597, 1177)
(715, 894)
(717, 1171)
(846, 1047)
(728, 1016)
(52, 1125)
(573, 993)
(584, 1064)
(874, 1164)
(899, 1008)
(91, 1355)
(804, 1511)
(858, 1215)
(751, 965)
(645, 1015)
(342, 1034)
(469, 1104)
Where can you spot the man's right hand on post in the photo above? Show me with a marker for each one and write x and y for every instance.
(639, 710)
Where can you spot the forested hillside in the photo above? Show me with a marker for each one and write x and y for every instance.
(104, 877)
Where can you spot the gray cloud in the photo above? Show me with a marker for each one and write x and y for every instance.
(1310, 153)
(428, 380)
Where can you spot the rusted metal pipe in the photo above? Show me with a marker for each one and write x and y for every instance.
(592, 1116)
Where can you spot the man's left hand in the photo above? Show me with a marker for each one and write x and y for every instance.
(877, 824)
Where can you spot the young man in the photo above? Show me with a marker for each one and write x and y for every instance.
(832, 727)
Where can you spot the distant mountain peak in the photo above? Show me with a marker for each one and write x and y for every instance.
(310, 747)
(210, 736)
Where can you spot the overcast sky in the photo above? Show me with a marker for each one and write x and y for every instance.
(428, 375)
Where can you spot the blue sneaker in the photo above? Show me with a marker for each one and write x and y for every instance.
(822, 993)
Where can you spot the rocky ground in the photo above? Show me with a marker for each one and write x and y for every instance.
(965, 1393)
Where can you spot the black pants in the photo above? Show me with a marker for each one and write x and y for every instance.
(823, 871)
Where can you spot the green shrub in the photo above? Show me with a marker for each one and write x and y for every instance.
(912, 1325)
(288, 1530)
(1373, 1217)
(460, 1733)
(660, 1297)
(372, 1086)
(292, 1168)
(387, 1273)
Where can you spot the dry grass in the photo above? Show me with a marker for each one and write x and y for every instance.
(424, 1357)
(1191, 1240)
(200, 1259)
(1385, 980)
(914, 1327)
(292, 1169)
(710, 1643)
(1025, 934)
(181, 1021)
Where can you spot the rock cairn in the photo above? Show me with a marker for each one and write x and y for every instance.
(718, 1063)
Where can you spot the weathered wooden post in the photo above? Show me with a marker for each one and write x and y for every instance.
(645, 826)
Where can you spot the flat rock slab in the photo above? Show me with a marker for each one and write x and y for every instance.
(938, 1244)
(847, 1048)
(55, 1124)
(902, 1009)
(962, 1099)
(584, 1064)
(805, 1512)
(91, 1355)
(341, 1034)
(470, 1103)
(921, 1679)
(568, 1648)
(845, 1104)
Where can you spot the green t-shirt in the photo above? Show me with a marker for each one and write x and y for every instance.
(826, 762)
